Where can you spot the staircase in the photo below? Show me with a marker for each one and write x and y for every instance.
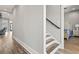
(51, 44)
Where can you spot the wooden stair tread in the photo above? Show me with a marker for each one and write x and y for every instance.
(49, 40)
(47, 35)
(50, 48)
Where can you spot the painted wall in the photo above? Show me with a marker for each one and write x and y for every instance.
(71, 19)
(53, 14)
(28, 26)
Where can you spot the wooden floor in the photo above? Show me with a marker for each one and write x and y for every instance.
(71, 46)
(9, 45)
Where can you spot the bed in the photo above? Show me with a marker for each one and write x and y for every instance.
(68, 33)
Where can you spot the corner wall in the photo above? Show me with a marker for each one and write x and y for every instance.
(28, 26)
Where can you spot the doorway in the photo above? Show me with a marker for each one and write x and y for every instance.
(71, 28)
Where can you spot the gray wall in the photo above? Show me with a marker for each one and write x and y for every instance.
(71, 19)
(53, 14)
(28, 26)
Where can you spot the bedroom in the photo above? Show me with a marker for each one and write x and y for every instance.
(71, 28)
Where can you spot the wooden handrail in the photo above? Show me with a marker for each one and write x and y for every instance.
(53, 23)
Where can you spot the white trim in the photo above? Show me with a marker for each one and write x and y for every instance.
(51, 43)
(50, 37)
(44, 32)
(48, 34)
(29, 49)
(62, 28)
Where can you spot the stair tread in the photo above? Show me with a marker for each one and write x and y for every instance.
(50, 48)
(49, 40)
(48, 35)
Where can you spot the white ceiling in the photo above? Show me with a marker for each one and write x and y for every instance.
(69, 8)
(66, 6)
(7, 8)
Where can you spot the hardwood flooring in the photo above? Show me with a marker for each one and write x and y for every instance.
(71, 46)
(10, 46)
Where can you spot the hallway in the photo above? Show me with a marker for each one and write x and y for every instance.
(9, 45)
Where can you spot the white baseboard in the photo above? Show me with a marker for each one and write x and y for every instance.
(29, 49)
(61, 46)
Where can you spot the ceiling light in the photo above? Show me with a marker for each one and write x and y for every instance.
(65, 8)
(73, 9)
(5, 9)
